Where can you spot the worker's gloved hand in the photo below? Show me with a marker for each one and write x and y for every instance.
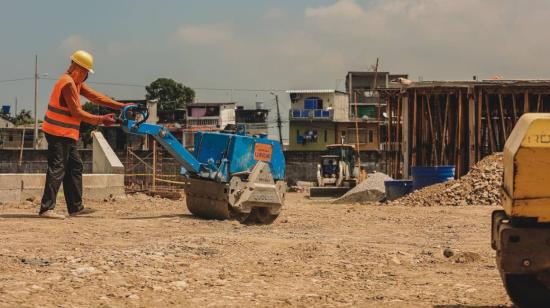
(108, 119)
(127, 104)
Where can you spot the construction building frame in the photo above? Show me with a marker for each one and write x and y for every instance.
(436, 123)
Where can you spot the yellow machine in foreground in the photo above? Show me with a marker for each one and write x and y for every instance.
(521, 232)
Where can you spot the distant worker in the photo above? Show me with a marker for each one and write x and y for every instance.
(61, 126)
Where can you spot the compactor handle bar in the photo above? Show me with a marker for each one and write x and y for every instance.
(139, 114)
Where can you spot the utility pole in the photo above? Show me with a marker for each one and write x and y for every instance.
(35, 138)
(15, 113)
(279, 122)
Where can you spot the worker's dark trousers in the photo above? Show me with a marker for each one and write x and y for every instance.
(64, 165)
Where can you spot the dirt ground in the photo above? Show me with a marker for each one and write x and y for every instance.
(141, 251)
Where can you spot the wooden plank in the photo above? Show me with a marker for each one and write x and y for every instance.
(406, 136)
(445, 137)
(490, 124)
(471, 128)
(389, 147)
(397, 135)
(526, 102)
(421, 156)
(435, 161)
(458, 146)
(514, 108)
(414, 143)
(479, 125)
(503, 124)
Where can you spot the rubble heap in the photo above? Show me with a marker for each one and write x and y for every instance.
(481, 186)
(370, 190)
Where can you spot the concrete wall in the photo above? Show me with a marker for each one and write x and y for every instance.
(227, 116)
(301, 166)
(300, 127)
(341, 106)
(10, 138)
(18, 187)
(105, 160)
(348, 131)
(35, 161)
(5, 123)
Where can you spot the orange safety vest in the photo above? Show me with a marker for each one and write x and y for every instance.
(59, 120)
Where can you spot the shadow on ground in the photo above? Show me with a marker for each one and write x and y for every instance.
(472, 306)
(184, 216)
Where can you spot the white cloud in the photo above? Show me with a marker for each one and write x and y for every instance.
(274, 14)
(75, 42)
(436, 39)
(205, 34)
(342, 9)
(439, 38)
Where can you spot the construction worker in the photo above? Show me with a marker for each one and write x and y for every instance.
(61, 126)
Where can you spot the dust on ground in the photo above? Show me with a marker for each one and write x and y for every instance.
(148, 252)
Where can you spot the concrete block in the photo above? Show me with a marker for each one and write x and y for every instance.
(104, 158)
(7, 181)
(10, 196)
(32, 181)
(17, 187)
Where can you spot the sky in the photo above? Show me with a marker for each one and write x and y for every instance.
(266, 45)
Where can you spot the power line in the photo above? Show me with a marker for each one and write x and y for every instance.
(18, 79)
(136, 85)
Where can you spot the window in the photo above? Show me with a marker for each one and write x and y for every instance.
(371, 136)
(313, 103)
(352, 136)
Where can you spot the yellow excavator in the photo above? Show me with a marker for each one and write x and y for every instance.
(521, 231)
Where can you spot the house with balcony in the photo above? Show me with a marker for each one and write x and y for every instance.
(213, 116)
(210, 116)
(368, 110)
(313, 118)
(254, 120)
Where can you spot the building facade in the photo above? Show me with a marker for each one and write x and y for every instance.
(207, 117)
(17, 136)
(369, 110)
(314, 116)
(254, 120)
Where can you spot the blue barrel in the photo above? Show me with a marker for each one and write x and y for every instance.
(396, 189)
(426, 176)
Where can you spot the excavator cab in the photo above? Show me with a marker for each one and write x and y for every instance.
(521, 230)
(336, 172)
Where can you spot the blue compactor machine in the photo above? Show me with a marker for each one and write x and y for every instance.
(230, 175)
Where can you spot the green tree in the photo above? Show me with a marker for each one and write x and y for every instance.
(171, 95)
(85, 128)
(24, 117)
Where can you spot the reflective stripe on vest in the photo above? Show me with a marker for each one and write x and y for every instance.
(59, 120)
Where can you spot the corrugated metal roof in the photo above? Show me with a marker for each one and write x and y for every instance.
(469, 83)
(312, 91)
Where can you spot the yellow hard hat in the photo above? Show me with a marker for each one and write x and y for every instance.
(84, 59)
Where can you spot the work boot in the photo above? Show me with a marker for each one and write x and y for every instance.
(51, 214)
(83, 211)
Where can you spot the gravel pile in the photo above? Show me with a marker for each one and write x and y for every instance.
(370, 190)
(481, 186)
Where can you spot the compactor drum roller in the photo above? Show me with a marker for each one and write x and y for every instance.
(521, 232)
(231, 175)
